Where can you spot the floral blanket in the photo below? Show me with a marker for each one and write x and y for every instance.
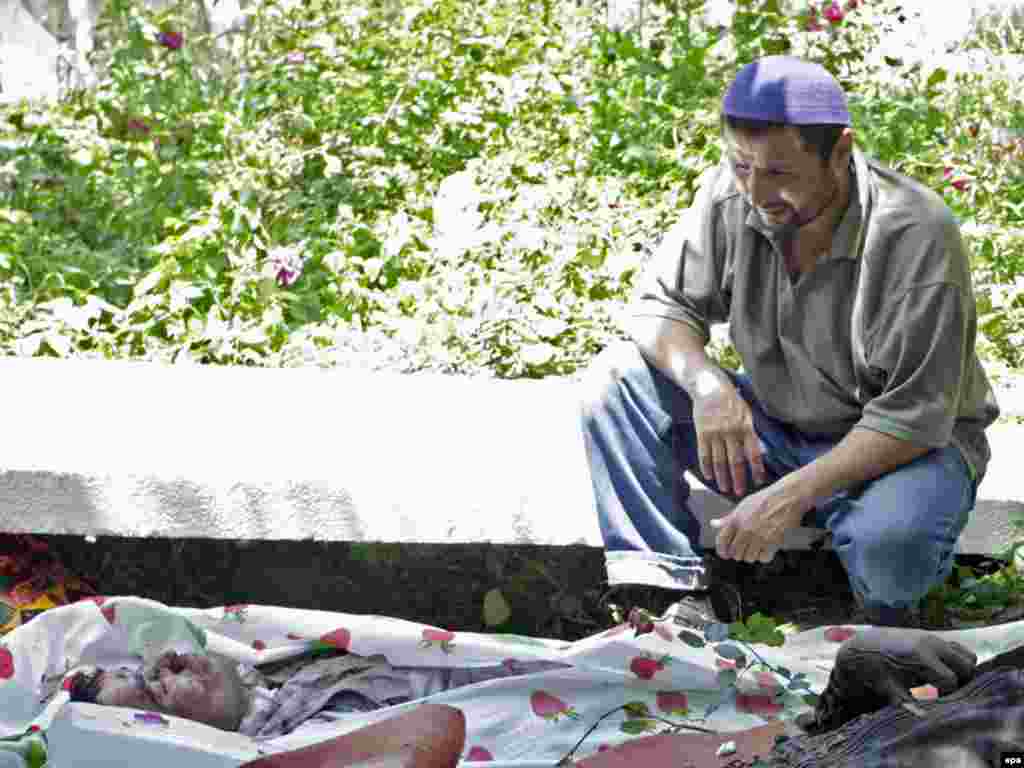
(548, 697)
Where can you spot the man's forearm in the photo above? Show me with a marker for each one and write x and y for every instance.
(677, 350)
(858, 458)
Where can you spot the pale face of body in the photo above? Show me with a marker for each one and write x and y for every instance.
(201, 688)
(125, 687)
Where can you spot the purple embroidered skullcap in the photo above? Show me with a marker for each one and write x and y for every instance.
(784, 89)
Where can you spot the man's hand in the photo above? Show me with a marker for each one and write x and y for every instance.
(726, 440)
(878, 667)
(754, 530)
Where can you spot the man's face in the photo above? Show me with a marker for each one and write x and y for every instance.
(784, 181)
(125, 687)
(186, 685)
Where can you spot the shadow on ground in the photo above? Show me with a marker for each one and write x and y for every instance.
(551, 591)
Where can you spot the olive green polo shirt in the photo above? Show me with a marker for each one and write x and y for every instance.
(879, 334)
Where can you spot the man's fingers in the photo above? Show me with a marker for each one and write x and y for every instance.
(708, 452)
(720, 460)
(753, 552)
(726, 533)
(756, 459)
(744, 547)
(737, 466)
(704, 456)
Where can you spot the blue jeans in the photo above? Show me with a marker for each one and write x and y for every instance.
(895, 535)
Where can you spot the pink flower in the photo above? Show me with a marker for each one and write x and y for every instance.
(758, 704)
(834, 13)
(839, 634)
(287, 263)
(138, 126)
(956, 180)
(478, 755)
(296, 57)
(286, 277)
(852, 5)
(171, 40)
(813, 25)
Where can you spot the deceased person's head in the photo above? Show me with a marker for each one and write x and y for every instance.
(207, 689)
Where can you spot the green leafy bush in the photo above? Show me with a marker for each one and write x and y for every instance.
(434, 185)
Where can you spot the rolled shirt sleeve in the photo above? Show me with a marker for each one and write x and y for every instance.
(920, 355)
(684, 280)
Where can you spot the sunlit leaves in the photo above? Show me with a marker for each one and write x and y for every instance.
(568, 149)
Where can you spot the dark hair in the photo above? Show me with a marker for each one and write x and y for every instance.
(821, 137)
(85, 685)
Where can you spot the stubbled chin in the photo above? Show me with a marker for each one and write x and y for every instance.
(781, 223)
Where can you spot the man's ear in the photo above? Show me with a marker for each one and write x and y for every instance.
(843, 150)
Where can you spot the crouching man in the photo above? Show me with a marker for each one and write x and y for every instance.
(862, 408)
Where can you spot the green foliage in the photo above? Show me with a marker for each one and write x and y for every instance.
(182, 212)
(636, 709)
(757, 629)
(975, 597)
(436, 185)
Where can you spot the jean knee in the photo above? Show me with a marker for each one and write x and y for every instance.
(894, 569)
(606, 373)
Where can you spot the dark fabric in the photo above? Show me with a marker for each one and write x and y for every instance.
(1013, 659)
(877, 668)
(970, 728)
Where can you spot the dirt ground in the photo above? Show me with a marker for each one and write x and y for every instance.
(557, 592)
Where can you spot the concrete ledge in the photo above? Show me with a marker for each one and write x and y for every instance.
(140, 449)
(146, 450)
